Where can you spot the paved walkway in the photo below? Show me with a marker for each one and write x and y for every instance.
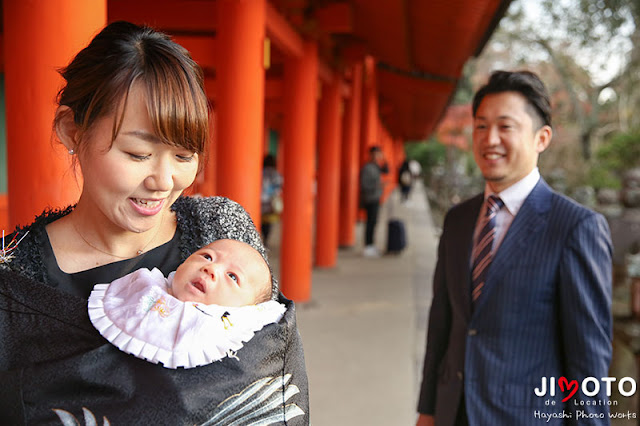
(364, 329)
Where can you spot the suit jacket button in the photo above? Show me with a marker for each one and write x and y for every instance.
(473, 332)
(460, 375)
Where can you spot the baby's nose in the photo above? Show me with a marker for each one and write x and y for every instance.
(210, 270)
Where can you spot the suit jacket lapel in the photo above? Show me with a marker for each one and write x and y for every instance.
(527, 224)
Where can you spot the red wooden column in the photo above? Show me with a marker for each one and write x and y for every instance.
(390, 179)
(399, 150)
(369, 130)
(240, 102)
(329, 143)
(299, 147)
(350, 164)
(40, 37)
(206, 180)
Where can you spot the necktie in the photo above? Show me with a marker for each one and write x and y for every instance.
(481, 254)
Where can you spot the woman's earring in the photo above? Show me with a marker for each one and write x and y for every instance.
(71, 152)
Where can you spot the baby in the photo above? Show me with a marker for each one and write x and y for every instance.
(216, 300)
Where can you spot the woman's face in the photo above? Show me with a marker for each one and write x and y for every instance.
(133, 182)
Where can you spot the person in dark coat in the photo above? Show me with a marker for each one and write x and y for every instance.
(370, 195)
(405, 180)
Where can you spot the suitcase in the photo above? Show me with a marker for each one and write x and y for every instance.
(396, 236)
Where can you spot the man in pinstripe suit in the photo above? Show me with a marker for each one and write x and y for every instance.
(522, 287)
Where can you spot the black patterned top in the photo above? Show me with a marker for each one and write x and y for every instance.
(200, 221)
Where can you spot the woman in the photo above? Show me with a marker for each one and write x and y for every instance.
(133, 114)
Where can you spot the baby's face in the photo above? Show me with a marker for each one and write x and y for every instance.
(226, 272)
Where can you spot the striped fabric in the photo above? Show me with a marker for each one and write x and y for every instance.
(482, 252)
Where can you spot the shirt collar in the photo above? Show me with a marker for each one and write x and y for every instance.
(514, 196)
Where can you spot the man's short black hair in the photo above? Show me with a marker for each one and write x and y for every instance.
(374, 149)
(527, 84)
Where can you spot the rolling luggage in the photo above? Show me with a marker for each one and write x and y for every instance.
(396, 236)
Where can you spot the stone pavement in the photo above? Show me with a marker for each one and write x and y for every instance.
(364, 329)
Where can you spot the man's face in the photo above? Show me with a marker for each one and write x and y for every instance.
(506, 143)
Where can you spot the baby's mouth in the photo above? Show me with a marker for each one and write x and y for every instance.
(199, 284)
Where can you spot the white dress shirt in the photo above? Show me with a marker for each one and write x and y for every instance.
(513, 198)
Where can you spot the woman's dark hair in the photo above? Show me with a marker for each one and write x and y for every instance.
(99, 78)
(528, 85)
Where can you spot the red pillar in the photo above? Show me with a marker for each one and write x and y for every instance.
(299, 133)
(206, 181)
(240, 102)
(350, 165)
(329, 142)
(390, 180)
(40, 37)
(369, 130)
(399, 150)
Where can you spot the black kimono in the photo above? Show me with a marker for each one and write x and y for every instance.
(55, 368)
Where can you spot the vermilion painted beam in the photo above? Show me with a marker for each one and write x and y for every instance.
(282, 35)
(188, 16)
(203, 49)
(1, 52)
(299, 135)
(329, 144)
(389, 180)
(350, 164)
(210, 88)
(345, 90)
(206, 180)
(325, 74)
(273, 89)
(240, 103)
(369, 130)
(335, 18)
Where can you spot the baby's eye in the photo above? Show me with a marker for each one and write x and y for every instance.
(233, 276)
(207, 257)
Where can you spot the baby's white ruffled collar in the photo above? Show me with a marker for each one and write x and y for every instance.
(136, 314)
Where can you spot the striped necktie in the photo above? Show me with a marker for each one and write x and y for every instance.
(482, 254)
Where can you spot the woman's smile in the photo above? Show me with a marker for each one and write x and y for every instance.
(147, 207)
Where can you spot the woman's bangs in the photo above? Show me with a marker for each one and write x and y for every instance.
(178, 109)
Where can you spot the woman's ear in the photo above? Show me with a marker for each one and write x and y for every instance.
(66, 128)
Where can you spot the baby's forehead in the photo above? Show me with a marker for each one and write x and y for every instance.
(240, 251)
(229, 244)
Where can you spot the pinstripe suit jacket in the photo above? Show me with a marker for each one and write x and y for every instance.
(545, 311)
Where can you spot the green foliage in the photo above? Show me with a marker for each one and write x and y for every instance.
(465, 91)
(621, 153)
(429, 153)
(600, 177)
